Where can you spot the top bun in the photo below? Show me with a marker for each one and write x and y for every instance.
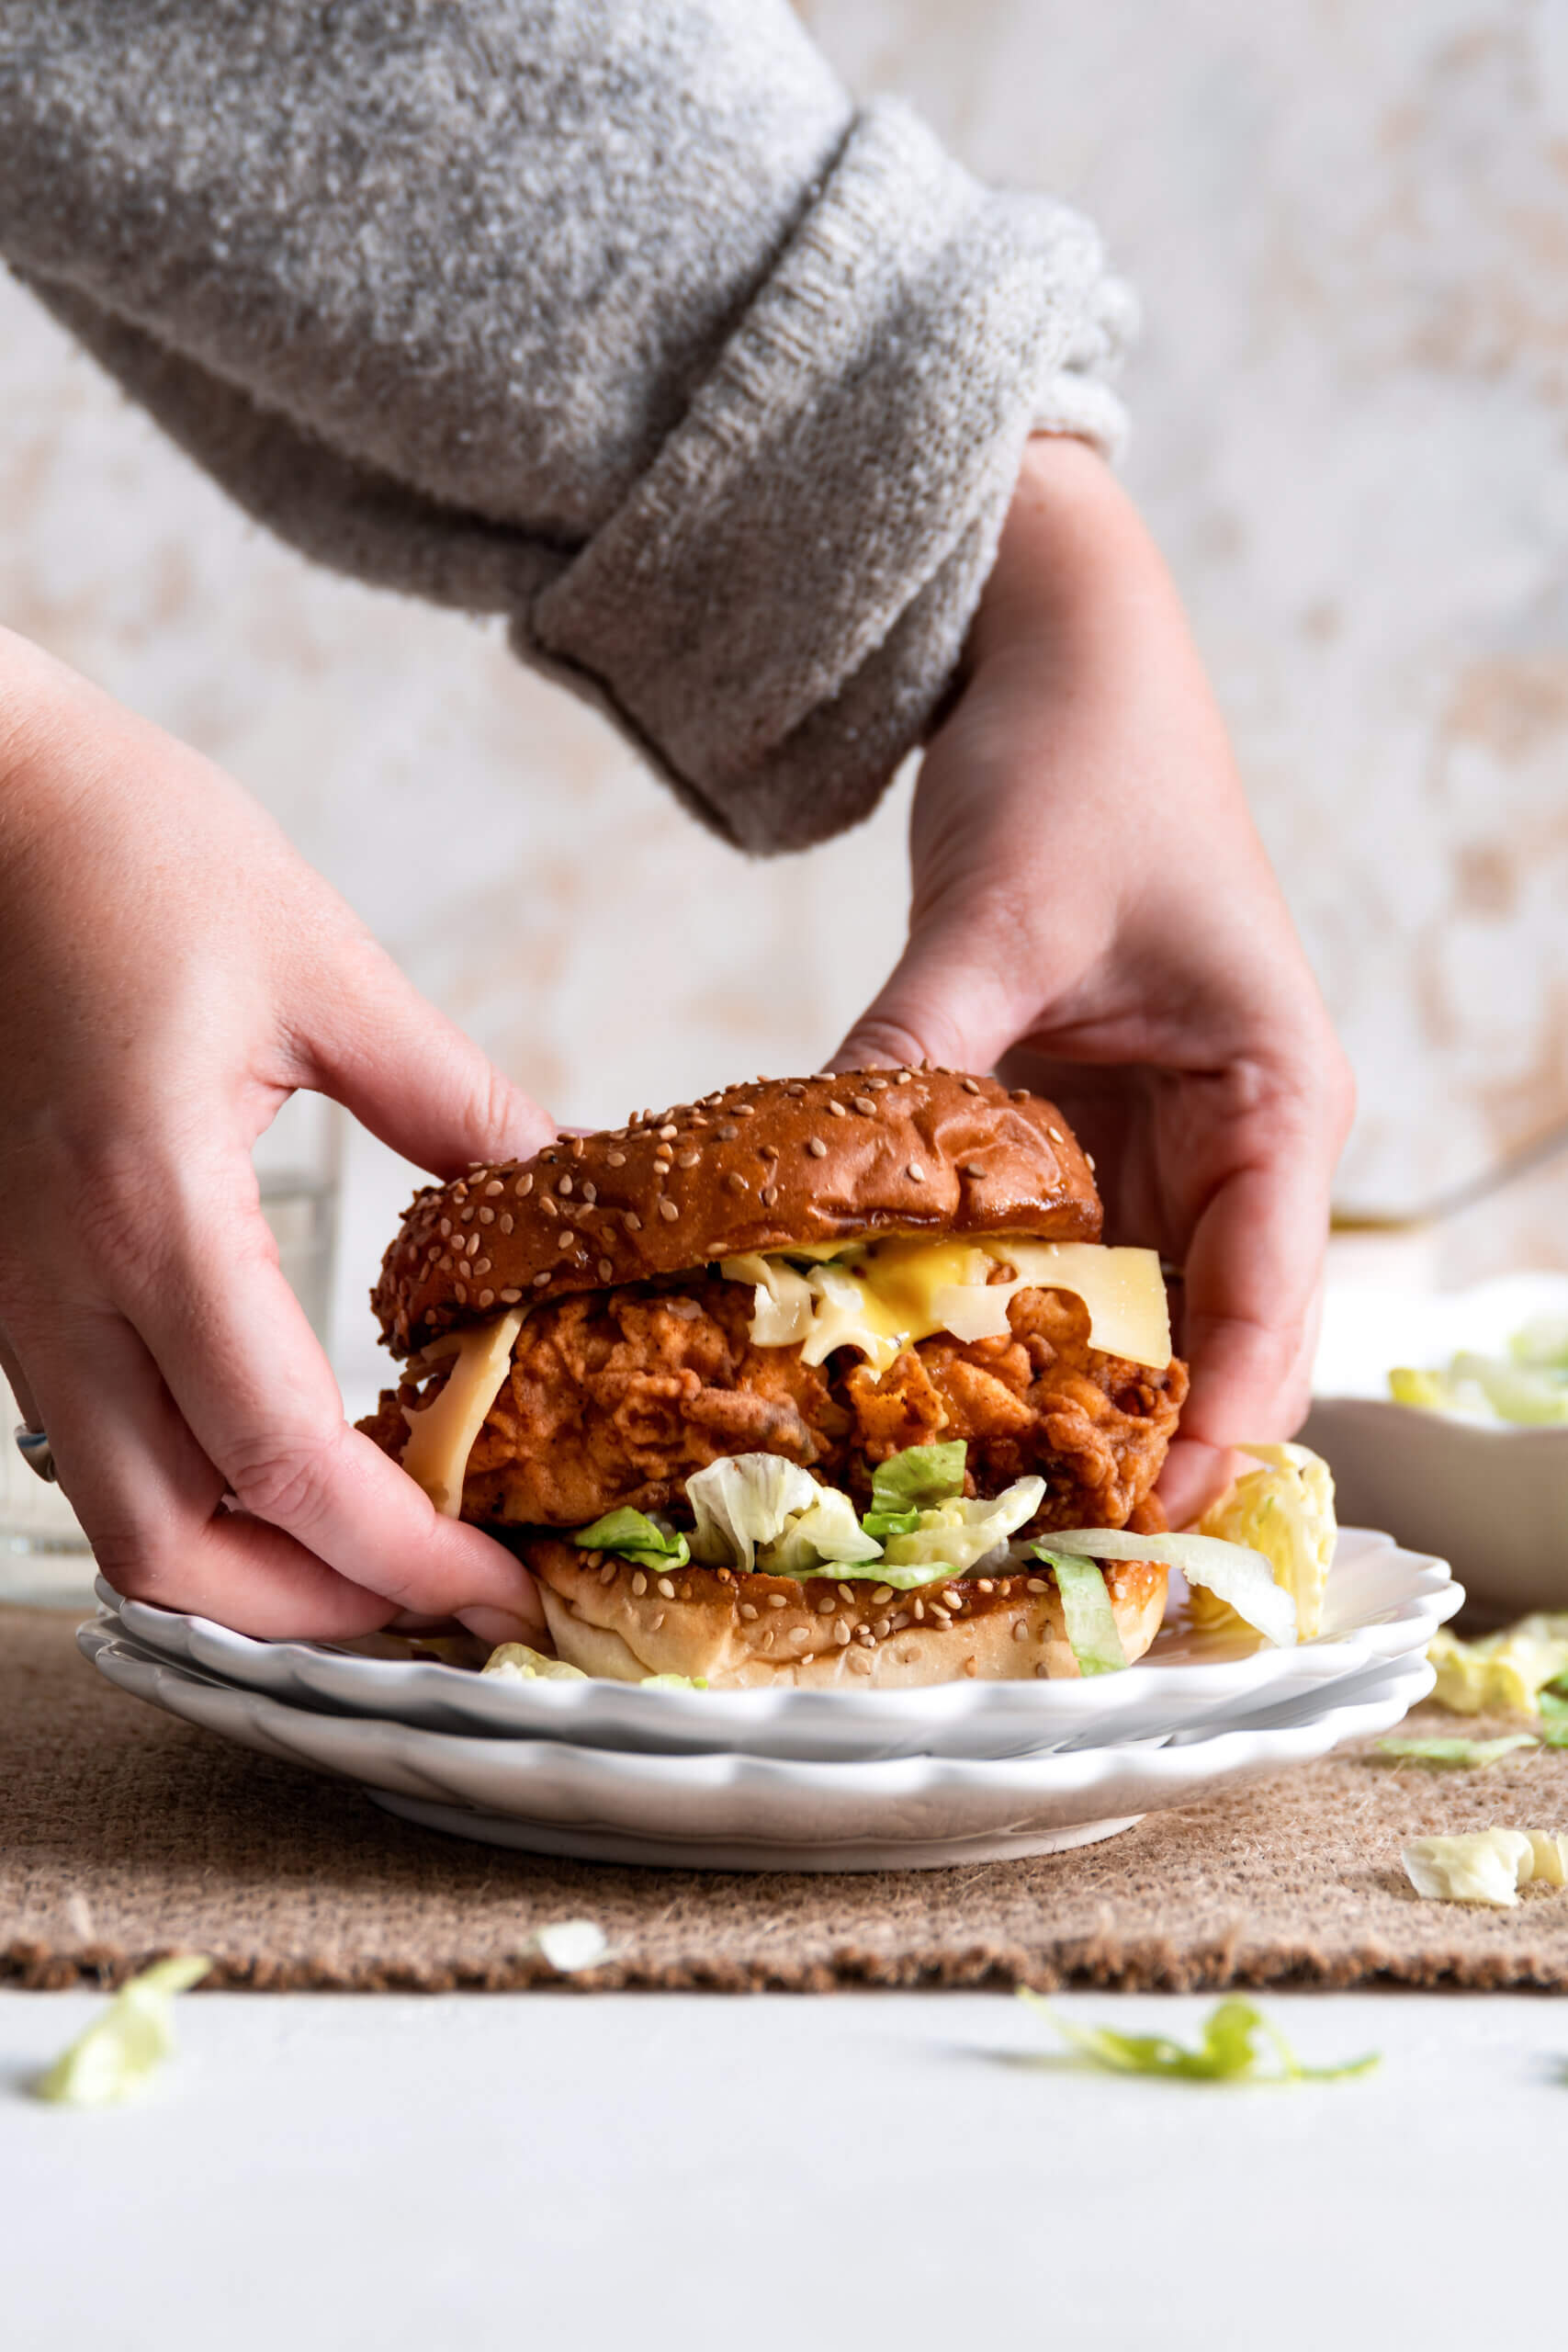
(767, 1166)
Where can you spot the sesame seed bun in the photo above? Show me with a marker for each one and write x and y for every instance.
(738, 1631)
(760, 1167)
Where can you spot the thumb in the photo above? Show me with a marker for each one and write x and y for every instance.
(414, 1079)
(947, 1001)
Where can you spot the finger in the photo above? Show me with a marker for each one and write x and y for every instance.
(17, 1379)
(410, 1076)
(950, 999)
(1254, 1271)
(246, 1373)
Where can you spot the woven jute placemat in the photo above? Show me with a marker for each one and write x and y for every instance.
(126, 1834)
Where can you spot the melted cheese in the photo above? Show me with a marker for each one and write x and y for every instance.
(441, 1436)
(883, 1298)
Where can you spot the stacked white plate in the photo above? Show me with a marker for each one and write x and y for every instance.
(804, 1780)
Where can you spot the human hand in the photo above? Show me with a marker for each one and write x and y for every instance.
(1093, 914)
(171, 971)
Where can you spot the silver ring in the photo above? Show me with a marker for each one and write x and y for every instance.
(35, 1451)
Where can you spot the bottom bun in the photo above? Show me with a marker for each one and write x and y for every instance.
(736, 1632)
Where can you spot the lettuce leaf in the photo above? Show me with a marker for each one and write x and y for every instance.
(631, 1535)
(1464, 1755)
(959, 1535)
(1484, 1865)
(122, 2049)
(744, 1500)
(919, 1479)
(1236, 2039)
(516, 1662)
(1085, 1606)
(828, 1531)
(673, 1682)
(1284, 1510)
(1232, 1571)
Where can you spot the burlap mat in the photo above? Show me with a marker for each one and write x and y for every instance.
(127, 1834)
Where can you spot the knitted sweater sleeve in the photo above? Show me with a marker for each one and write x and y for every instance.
(613, 317)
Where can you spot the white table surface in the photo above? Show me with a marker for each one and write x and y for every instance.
(649, 2170)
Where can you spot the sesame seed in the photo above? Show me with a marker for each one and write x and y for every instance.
(593, 1559)
(778, 1600)
(669, 1212)
(540, 1280)
(607, 1574)
(666, 1588)
(859, 1661)
(883, 1594)
(615, 1159)
(495, 1187)
(920, 1612)
(799, 1637)
(465, 1216)
(639, 1584)
(504, 1224)
(940, 1614)
(589, 1193)
(656, 1622)
(445, 1266)
(736, 1183)
(1088, 1162)
(446, 1228)
(487, 1298)
(551, 1208)
(970, 1087)
(462, 1294)
(769, 1196)
(796, 1089)
(915, 1174)
(564, 1187)
(970, 1667)
(970, 1168)
(816, 1147)
(605, 1270)
(687, 1159)
(896, 1624)
(471, 1245)
(726, 1134)
(523, 1187)
(876, 1086)
(1055, 1134)
(984, 1584)
(837, 1111)
(577, 1146)
(1021, 1629)
(1037, 1583)
(632, 1222)
(668, 1134)
(1018, 1094)
(882, 1628)
(510, 1298)
(952, 1597)
(750, 1612)
(768, 1639)
(841, 1634)
(826, 1605)
(486, 1216)
(864, 1105)
(903, 1077)
(745, 1110)
(482, 1265)
(1042, 1672)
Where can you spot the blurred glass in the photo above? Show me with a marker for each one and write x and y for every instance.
(44, 1557)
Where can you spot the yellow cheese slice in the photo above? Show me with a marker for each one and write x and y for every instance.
(441, 1436)
(882, 1297)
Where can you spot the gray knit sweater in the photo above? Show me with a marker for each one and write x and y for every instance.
(615, 317)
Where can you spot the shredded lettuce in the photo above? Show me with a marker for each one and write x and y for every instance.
(1236, 2041)
(1486, 1865)
(122, 2049)
(744, 1500)
(920, 1477)
(673, 1682)
(1464, 1755)
(570, 1945)
(1503, 1672)
(1529, 1385)
(1232, 1571)
(1283, 1509)
(631, 1535)
(957, 1535)
(1553, 1719)
(1085, 1606)
(516, 1662)
(827, 1531)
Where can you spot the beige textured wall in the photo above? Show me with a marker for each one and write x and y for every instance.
(1349, 226)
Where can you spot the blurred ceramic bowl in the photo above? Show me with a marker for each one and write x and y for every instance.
(1491, 1496)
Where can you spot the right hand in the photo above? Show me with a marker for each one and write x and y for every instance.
(171, 971)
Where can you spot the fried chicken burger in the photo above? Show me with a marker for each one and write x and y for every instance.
(798, 1384)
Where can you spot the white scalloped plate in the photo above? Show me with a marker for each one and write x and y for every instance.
(1382, 1603)
(762, 1813)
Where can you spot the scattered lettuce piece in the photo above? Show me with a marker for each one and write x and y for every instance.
(570, 1945)
(1232, 1571)
(1283, 1509)
(673, 1682)
(1486, 1865)
(1236, 2039)
(1529, 1385)
(1085, 1605)
(1553, 1719)
(1461, 1754)
(516, 1662)
(119, 2052)
(1409, 1385)
(1502, 1672)
(631, 1535)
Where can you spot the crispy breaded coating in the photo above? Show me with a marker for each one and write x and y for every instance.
(614, 1396)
